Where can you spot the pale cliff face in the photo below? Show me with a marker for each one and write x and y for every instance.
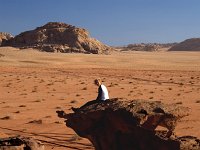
(59, 37)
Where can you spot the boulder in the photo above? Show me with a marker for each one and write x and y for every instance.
(59, 37)
(4, 37)
(20, 143)
(119, 124)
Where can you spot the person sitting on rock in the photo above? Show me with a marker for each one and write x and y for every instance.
(101, 97)
(102, 90)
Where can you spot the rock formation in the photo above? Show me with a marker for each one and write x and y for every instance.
(59, 37)
(147, 47)
(187, 45)
(20, 143)
(130, 125)
(4, 37)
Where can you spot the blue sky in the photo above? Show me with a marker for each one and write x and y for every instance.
(114, 22)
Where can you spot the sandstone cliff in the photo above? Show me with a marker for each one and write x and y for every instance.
(187, 45)
(59, 37)
(120, 124)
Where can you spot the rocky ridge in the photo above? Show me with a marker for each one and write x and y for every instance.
(192, 44)
(150, 47)
(130, 124)
(59, 37)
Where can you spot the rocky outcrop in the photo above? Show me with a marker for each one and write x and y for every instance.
(4, 37)
(59, 37)
(187, 45)
(130, 124)
(20, 143)
(147, 47)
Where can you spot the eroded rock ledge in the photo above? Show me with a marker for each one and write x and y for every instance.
(130, 125)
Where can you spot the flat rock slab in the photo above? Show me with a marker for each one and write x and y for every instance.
(129, 124)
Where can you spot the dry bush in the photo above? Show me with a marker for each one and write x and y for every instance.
(22, 105)
(85, 88)
(78, 95)
(6, 118)
(197, 101)
(180, 103)
(1, 55)
(39, 121)
(73, 101)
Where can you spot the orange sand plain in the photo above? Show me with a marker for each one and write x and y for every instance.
(36, 84)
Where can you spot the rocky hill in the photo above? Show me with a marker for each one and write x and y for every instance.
(119, 124)
(4, 37)
(147, 46)
(58, 37)
(187, 45)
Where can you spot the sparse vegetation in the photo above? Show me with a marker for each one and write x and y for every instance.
(22, 105)
(17, 112)
(180, 103)
(24, 92)
(39, 121)
(6, 118)
(85, 88)
(73, 101)
(1, 55)
(58, 107)
(38, 100)
(197, 101)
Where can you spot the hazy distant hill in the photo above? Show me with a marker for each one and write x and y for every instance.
(192, 44)
(147, 47)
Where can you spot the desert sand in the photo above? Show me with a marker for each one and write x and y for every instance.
(35, 84)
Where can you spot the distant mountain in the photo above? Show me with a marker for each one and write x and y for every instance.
(58, 37)
(147, 46)
(192, 44)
